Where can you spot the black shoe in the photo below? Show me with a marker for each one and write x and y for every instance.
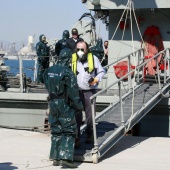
(56, 163)
(89, 139)
(68, 164)
(77, 143)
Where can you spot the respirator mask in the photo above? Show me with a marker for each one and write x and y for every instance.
(80, 52)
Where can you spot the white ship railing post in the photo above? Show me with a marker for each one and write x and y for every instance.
(129, 76)
(20, 73)
(35, 68)
(121, 103)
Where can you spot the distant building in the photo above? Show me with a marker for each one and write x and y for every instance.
(29, 50)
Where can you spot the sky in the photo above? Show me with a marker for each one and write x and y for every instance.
(23, 18)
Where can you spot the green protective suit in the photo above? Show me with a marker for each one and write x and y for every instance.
(61, 82)
(98, 50)
(42, 51)
(61, 44)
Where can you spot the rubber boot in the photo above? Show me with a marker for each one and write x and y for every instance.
(56, 163)
(68, 164)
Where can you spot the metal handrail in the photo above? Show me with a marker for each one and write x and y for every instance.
(129, 73)
(121, 58)
(92, 98)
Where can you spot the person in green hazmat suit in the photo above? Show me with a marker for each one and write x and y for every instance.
(64, 102)
(98, 50)
(42, 51)
(61, 44)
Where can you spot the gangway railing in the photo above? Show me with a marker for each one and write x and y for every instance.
(99, 151)
(140, 57)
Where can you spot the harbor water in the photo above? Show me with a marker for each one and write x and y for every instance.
(28, 67)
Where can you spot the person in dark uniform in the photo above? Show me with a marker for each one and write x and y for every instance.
(71, 42)
(98, 50)
(105, 59)
(61, 44)
(42, 51)
(64, 103)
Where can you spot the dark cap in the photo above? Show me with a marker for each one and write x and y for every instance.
(74, 31)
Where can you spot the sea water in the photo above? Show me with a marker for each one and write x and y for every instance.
(28, 67)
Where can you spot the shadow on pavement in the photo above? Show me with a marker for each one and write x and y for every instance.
(125, 143)
(7, 166)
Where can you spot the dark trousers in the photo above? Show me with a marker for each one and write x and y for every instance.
(63, 129)
(41, 68)
(85, 98)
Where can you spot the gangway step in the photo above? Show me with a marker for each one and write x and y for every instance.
(151, 79)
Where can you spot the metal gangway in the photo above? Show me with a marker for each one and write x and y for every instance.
(111, 124)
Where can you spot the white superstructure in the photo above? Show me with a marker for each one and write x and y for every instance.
(29, 50)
